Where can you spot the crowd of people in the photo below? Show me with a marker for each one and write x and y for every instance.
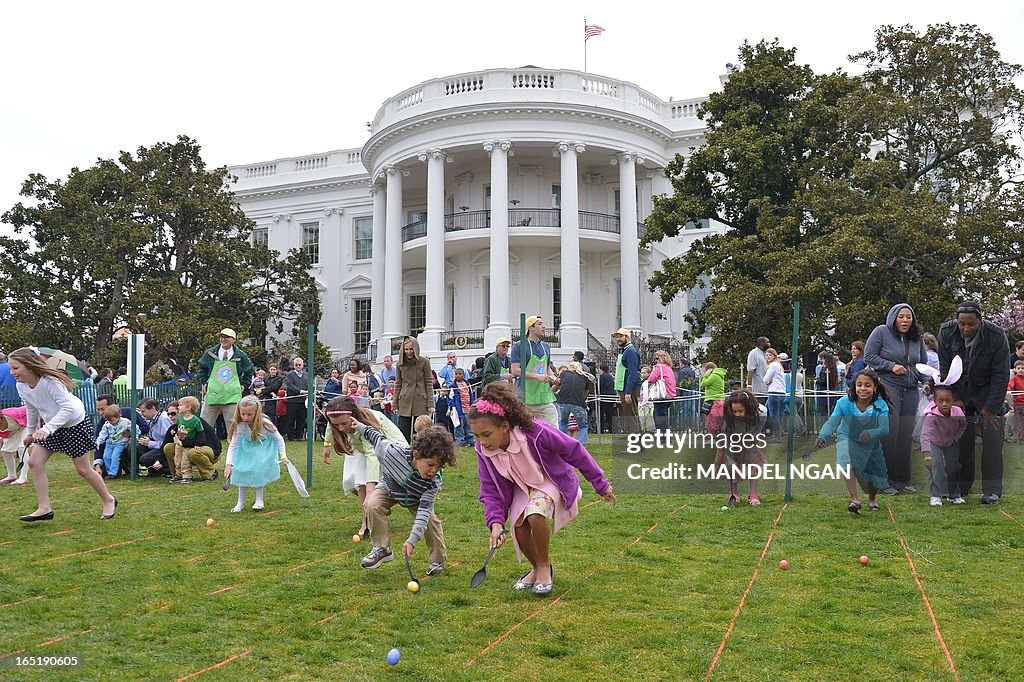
(397, 428)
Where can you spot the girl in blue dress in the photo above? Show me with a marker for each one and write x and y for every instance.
(862, 417)
(255, 451)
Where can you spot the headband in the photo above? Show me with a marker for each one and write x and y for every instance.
(969, 308)
(334, 413)
(250, 399)
(485, 406)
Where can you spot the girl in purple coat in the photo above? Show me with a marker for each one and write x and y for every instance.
(527, 477)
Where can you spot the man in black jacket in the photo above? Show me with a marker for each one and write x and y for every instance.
(983, 348)
(296, 385)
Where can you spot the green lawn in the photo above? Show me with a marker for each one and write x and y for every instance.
(644, 589)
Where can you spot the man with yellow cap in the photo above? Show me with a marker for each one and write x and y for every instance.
(224, 371)
(627, 379)
(497, 366)
(539, 374)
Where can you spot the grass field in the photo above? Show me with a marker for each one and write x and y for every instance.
(656, 587)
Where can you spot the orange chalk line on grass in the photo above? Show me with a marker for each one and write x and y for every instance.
(8, 509)
(137, 502)
(9, 542)
(23, 601)
(1011, 518)
(276, 511)
(746, 592)
(63, 532)
(370, 601)
(46, 643)
(587, 576)
(316, 561)
(924, 595)
(516, 626)
(214, 667)
(223, 589)
(280, 494)
(97, 549)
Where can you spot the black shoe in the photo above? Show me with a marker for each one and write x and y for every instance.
(107, 517)
(213, 476)
(48, 516)
(366, 535)
(985, 499)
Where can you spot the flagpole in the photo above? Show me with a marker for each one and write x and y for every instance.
(584, 44)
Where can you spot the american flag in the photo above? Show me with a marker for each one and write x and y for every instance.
(591, 30)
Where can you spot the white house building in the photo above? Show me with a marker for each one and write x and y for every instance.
(479, 197)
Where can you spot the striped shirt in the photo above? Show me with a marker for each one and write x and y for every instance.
(400, 479)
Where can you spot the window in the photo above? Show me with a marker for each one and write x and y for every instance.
(361, 324)
(618, 203)
(311, 241)
(487, 301)
(556, 302)
(260, 236)
(618, 303)
(417, 314)
(487, 197)
(556, 196)
(695, 298)
(701, 224)
(416, 217)
(451, 306)
(363, 228)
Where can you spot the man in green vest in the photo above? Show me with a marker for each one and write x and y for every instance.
(539, 374)
(627, 379)
(224, 371)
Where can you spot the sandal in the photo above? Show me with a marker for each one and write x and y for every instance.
(854, 507)
(755, 501)
(873, 506)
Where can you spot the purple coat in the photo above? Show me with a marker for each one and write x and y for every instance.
(558, 455)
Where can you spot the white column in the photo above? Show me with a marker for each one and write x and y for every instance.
(499, 326)
(629, 242)
(430, 339)
(377, 269)
(573, 335)
(393, 300)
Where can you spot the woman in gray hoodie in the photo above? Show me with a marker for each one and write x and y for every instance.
(892, 350)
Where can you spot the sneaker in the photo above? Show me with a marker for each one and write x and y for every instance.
(213, 476)
(990, 499)
(957, 500)
(908, 490)
(890, 491)
(935, 501)
(257, 506)
(185, 480)
(175, 479)
(376, 557)
(435, 568)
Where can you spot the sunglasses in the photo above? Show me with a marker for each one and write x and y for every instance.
(172, 414)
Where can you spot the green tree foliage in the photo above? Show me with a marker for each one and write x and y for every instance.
(850, 194)
(154, 241)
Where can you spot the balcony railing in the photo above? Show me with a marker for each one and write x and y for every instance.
(553, 338)
(460, 339)
(518, 217)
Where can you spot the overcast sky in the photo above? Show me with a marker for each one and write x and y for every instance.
(256, 80)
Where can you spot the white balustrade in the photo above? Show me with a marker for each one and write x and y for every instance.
(312, 163)
(457, 86)
(595, 86)
(410, 99)
(353, 158)
(535, 80)
(262, 171)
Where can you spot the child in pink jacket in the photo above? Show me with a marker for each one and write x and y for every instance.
(944, 423)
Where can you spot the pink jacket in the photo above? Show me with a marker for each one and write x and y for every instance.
(943, 431)
(663, 371)
(17, 415)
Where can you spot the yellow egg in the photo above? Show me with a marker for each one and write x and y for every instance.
(413, 586)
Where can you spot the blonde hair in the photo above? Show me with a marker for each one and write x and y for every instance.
(422, 422)
(35, 364)
(112, 412)
(189, 403)
(663, 357)
(257, 420)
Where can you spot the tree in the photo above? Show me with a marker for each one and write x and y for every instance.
(154, 241)
(849, 194)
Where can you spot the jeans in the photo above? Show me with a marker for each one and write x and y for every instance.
(661, 415)
(775, 401)
(944, 474)
(564, 410)
(463, 434)
(112, 458)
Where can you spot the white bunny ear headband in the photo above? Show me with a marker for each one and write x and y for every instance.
(956, 368)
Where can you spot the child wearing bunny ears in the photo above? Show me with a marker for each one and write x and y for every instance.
(944, 424)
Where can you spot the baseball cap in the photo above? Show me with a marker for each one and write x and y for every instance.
(531, 320)
(502, 340)
(622, 332)
(227, 331)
